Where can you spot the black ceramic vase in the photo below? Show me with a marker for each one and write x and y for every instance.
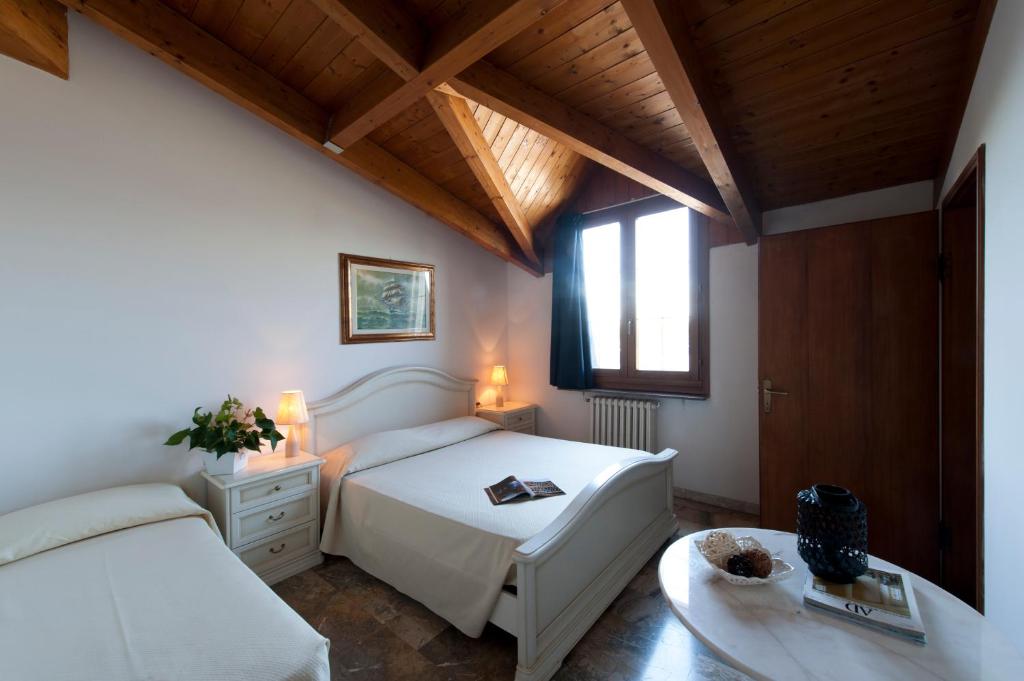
(832, 532)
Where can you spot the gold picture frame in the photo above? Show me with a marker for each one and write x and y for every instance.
(384, 301)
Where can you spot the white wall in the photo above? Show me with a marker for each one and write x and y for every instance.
(993, 117)
(880, 203)
(160, 247)
(716, 438)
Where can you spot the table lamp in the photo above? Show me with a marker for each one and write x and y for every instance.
(291, 412)
(499, 377)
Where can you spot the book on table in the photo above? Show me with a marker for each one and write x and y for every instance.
(880, 599)
(514, 489)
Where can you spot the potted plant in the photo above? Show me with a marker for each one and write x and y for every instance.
(228, 436)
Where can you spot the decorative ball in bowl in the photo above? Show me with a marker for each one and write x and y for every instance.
(741, 560)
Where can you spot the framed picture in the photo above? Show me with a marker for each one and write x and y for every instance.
(385, 300)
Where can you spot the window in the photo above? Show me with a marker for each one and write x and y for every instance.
(645, 271)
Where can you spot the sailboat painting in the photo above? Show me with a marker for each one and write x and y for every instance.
(385, 300)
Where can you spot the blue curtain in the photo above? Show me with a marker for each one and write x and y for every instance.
(570, 332)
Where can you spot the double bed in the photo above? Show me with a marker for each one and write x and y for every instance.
(403, 498)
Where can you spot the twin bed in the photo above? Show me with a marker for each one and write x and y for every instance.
(134, 582)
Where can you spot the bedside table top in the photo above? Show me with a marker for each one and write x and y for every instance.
(264, 466)
(508, 408)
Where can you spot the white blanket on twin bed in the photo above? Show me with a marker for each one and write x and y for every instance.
(424, 524)
(140, 587)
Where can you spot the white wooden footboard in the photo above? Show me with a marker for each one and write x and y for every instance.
(568, 574)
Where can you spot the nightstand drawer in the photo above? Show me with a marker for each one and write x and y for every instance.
(263, 521)
(264, 491)
(279, 548)
(516, 421)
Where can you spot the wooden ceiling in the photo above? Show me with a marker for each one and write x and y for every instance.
(490, 114)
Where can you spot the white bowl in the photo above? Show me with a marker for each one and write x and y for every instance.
(780, 569)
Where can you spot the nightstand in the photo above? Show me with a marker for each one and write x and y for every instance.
(517, 416)
(269, 513)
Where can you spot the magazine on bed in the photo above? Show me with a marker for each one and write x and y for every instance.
(514, 489)
(878, 599)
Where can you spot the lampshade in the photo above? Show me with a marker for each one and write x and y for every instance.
(291, 410)
(499, 375)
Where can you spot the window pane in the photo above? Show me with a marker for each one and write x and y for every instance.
(601, 264)
(663, 291)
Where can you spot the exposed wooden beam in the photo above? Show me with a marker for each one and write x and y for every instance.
(461, 125)
(35, 32)
(386, 29)
(481, 26)
(665, 34)
(982, 22)
(517, 100)
(172, 38)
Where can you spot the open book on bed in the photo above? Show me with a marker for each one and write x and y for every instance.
(514, 489)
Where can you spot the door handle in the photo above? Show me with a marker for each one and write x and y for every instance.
(766, 395)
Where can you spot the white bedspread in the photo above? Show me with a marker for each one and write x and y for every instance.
(424, 525)
(164, 600)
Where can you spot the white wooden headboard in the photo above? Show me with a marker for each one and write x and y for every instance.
(400, 397)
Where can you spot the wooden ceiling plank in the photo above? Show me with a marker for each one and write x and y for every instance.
(326, 43)
(525, 160)
(457, 118)
(843, 117)
(172, 38)
(615, 79)
(625, 95)
(587, 36)
(215, 16)
(782, 28)
(481, 26)
(252, 24)
(35, 32)
(891, 36)
(559, 191)
(296, 26)
(384, 27)
(182, 6)
(511, 97)
(566, 18)
(665, 33)
(544, 177)
(739, 16)
(907, 63)
(541, 152)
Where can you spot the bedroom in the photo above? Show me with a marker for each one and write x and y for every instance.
(171, 227)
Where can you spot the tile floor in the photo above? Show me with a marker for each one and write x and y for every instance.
(378, 633)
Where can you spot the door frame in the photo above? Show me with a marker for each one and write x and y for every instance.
(972, 178)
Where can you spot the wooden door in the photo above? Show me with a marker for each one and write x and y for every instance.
(848, 328)
(961, 370)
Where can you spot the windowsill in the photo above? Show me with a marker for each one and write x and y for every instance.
(639, 393)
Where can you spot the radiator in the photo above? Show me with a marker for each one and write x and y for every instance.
(622, 422)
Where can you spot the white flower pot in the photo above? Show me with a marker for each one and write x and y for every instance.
(229, 463)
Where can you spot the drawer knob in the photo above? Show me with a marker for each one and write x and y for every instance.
(277, 488)
(275, 518)
(279, 549)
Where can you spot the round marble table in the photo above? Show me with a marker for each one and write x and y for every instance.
(768, 633)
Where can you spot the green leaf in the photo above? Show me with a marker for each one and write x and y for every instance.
(252, 441)
(177, 438)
